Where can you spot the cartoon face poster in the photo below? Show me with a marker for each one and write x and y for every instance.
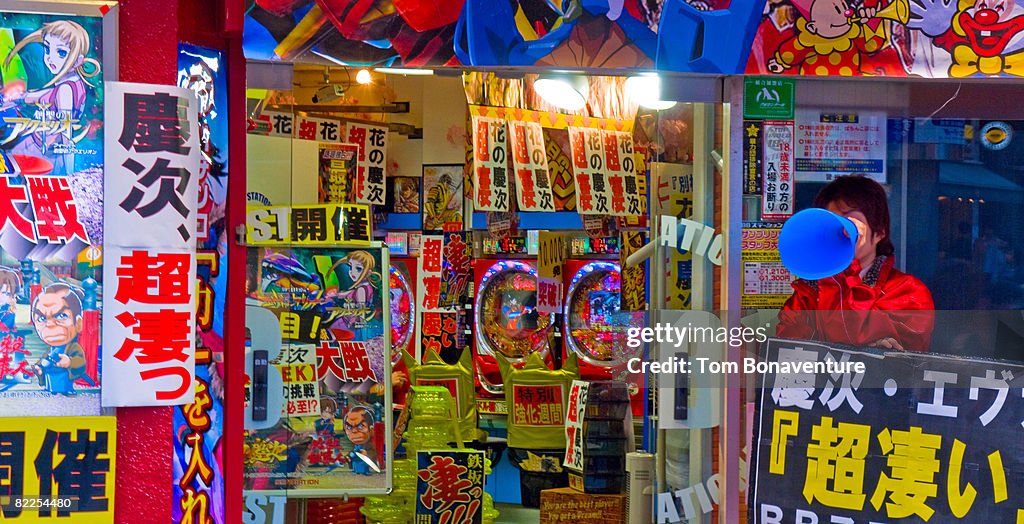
(927, 38)
(51, 214)
(334, 367)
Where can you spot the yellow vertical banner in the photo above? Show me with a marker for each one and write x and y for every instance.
(58, 468)
(673, 196)
(551, 253)
(633, 292)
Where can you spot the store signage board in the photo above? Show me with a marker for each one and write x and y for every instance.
(768, 98)
(779, 193)
(314, 225)
(151, 193)
(551, 249)
(830, 143)
(915, 436)
(766, 281)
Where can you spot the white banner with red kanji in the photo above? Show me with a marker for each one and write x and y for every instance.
(319, 129)
(429, 274)
(604, 171)
(778, 188)
(490, 165)
(530, 166)
(625, 192)
(149, 271)
(372, 165)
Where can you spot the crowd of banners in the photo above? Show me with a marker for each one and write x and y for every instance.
(372, 165)
(59, 468)
(604, 171)
(51, 215)
(319, 225)
(766, 281)
(151, 191)
(449, 487)
(199, 426)
(779, 191)
(930, 438)
(337, 166)
(530, 164)
(490, 165)
(333, 363)
(551, 253)
(833, 144)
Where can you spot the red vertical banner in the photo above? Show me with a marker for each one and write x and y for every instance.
(490, 165)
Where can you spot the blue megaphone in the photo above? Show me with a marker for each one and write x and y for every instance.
(816, 243)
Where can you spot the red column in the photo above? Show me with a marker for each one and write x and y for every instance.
(148, 53)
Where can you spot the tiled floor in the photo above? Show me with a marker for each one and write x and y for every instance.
(515, 514)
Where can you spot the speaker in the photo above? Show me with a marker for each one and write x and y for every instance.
(816, 243)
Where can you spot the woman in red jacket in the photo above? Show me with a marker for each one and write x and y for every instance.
(871, 303)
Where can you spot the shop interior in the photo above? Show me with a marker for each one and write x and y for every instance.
(955, 183)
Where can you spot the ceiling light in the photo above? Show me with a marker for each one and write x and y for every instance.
(363, 76)
(645, 90)
(564, 91)
(404, 71)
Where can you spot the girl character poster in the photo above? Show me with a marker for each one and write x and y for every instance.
(52, 88)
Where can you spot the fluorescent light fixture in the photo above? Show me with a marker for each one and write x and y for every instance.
(363, 76)
(564, 91)
(645, 90)
(403, 71)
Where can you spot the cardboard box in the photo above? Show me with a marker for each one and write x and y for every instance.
(566, 505)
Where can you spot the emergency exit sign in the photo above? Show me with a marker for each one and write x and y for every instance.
(768, 98)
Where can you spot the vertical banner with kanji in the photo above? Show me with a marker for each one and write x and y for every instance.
(151, 191)
(198, 427)
(551, 253)
(848, 434)
(588, 161)
(455, 275)
(633, 290)
(490, 165)
(574, 447)
(337, 168)
(372, 165)
(51, 211)
(449, 487)
(620, 167)
(778, 188)
(320, 313)
(530, 163)
(58, 469)
(429, 272)
(439, 332)
(752, 151)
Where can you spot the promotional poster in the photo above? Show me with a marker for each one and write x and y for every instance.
(334, 362)
(51, 214)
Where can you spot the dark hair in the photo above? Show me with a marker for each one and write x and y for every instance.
(865, 195)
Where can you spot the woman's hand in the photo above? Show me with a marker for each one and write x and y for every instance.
(887, 343)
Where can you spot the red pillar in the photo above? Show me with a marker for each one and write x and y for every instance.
(148, 53)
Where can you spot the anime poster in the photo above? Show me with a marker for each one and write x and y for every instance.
(198, 427)
(333, 365)
(594, 34)
(51, 213)
(404, 194)
(442, 196)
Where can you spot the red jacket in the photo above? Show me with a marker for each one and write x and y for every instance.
(843, 309)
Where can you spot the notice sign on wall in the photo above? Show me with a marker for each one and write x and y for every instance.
(829, 144)
(766, 281)
(490, 165)
(778, 192)
(151, 194)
